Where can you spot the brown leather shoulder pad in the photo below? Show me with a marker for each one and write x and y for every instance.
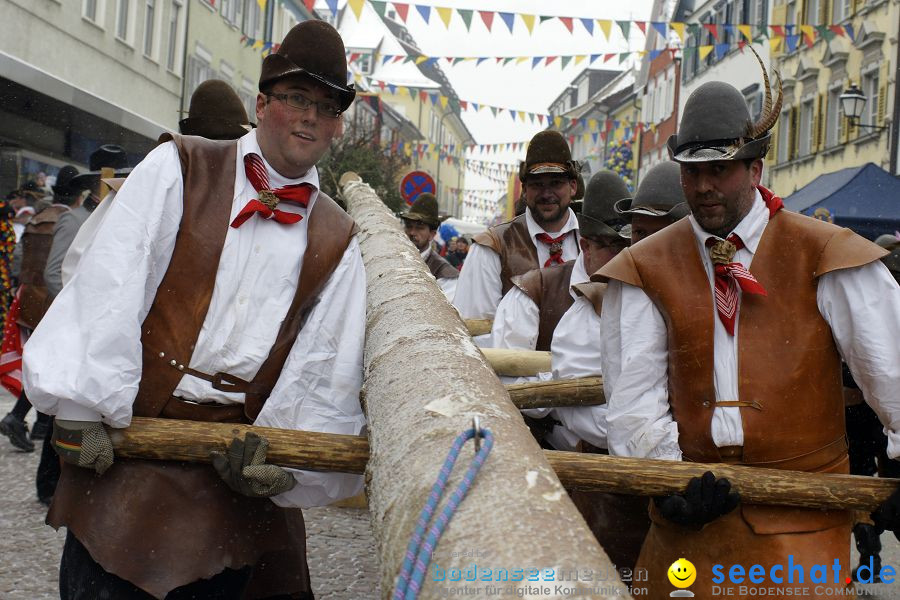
(488, 238)
(531, 283)
(621, 268)
(593, 292)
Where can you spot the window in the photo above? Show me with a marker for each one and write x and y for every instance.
(251, 19)
(870, 89)
(174, 36)
(149, 27)
(122, 19)
(90, 9)
(199, 70)
(784, 136)
(806, 128)
(841, 10)
(791, 12)
(812, 12)
(231, 11)
(833, 118)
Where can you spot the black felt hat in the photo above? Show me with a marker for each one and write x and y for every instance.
(315, 49)
(107, 156)
(216, 112)
(659, 194)
(67, 183)
(424, 209)
(548, 152)
(598, 217)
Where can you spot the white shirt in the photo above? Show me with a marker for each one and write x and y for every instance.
(84, 360)
(861, 305)
(480, 290)
(575, 352)
(447, 284)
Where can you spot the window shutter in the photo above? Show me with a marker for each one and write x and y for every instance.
(820, 123)
(794, 133)
(773, 144)
(882, 93)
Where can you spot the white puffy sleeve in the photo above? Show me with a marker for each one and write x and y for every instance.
(83, 361)
(319, 386)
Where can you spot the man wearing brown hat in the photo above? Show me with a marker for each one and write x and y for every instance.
(421, 223)
(222, 286)
(215, 112)
(546, 234)
(721, 341)
(659, 201)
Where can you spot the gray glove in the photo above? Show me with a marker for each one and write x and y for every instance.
(83, 443)
(243, 468)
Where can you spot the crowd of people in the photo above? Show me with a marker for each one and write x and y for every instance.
(214, 281)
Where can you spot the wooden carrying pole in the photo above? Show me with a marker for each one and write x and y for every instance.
(584, 391)
(168, 439)
(424, 382)
(517, 363)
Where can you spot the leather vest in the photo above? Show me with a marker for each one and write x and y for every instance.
(513, 243)
(593, 292)
(439, 266)
(549, 289)
(173, 323)
(141, 511)
(36, 242)
(788, 365)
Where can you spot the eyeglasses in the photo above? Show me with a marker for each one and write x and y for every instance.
(300, 102)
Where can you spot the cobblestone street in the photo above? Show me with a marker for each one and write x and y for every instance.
(341, 548)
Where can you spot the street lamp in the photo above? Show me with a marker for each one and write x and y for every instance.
(853, 101)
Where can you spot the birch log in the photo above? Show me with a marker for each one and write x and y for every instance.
(424, 381)
(169, 439)
(517, 363)
(583, 391)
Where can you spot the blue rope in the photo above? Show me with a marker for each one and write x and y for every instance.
(418, 554)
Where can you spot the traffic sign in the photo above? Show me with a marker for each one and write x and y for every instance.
(414, 184)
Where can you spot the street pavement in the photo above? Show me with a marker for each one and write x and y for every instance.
(341, 549)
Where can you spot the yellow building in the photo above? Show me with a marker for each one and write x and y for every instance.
(813, 136)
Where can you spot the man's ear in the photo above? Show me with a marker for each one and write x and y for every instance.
(339, 132)
(756, 169)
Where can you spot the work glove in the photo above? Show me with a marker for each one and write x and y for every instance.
(705, 499)
(83, 443)
(245, 471)
(887, 516)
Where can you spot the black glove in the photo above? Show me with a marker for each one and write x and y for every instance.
(243, 468)
(705, 499)
(887, 516)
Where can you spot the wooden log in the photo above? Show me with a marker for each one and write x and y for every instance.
(584, 391)
(479, 326)
(424, 381)
(517, 363)
(167, 439)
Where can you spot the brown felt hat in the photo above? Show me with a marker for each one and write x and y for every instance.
(598, 217)
(216, 113)
(659, 195)
(315, 49)
(424, 210)
(548, 152)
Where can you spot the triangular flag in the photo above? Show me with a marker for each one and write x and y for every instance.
(746, 32)
(380, 7)
(557, 122)
(508, 60)
(332, 6)
(445, 14)
(521, 115)
(605, 26)
(713, 29)
(623, 56)
(392, 88)
(536, 60)
(775, 43)
(654, 54)
(608, 57)
(837, 29)
(546, 18)
(679, 30)
(704, 51)
(579, 59)
(356, 6)
(423, 95)
(463, 105)
(421, 59)
(792, 42)
(567, 21)
(508, 18)
(466, 17)
(642, 25)
(521, 59)
(309, 4)
(625, 26)
(529, 22)
(850, 34)
(550, 59)
(480, 60)
(434, 98)
(402, 10)
(721, 50)
(588, 24)
(661, 28)
(488, 17)
(444, 101)
(564, 62)
(425, 11)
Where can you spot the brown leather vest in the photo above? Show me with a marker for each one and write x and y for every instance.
(439, 267)
(36, 242)
(788, 364)
(141, 511)
(549, 289)
(513, 243)
(593, 292)
(173, 324)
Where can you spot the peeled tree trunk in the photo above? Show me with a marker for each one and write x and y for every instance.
(424, 382)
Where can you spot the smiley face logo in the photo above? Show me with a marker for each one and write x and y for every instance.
(682, 573)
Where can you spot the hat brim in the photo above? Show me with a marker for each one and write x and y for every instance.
(590, 227)
(419, 217)
(214, 129)
(624, 207)
(713, 151)
(86, 180)
(541, 168)
(285, 68)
